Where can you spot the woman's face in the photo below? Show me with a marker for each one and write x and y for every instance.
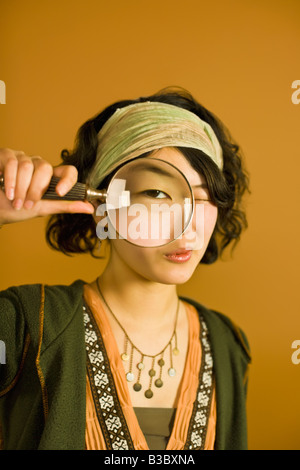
(175, 262)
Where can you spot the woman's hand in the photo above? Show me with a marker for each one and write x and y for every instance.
(26, 179)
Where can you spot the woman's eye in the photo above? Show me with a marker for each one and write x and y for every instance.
(156, 193)
(201, 200)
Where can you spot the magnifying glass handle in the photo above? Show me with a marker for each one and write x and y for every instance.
(79, 192)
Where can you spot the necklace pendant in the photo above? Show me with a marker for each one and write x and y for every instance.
(130, 377)
(148, 393)
(158, 383)
(124, 357)
(137, 387)
(171, 372)
(175, 351)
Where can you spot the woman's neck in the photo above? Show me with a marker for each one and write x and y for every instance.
(133, 298)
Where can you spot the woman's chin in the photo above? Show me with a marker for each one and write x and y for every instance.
(175, 276)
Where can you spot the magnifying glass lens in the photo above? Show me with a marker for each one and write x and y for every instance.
(149, 203)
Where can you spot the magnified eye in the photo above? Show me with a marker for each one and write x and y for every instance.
(156, 194)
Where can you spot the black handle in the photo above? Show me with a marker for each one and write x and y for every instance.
(77, 193)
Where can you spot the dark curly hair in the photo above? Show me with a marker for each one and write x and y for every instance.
(76, 233)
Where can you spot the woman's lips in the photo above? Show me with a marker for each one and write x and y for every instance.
(179, 256)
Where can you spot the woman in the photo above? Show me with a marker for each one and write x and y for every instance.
(145, 369)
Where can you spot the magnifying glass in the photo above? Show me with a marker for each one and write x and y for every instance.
(148, 202)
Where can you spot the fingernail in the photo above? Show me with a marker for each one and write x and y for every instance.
(62, 189)
(11, 194)
(28, 204)
(18, 204)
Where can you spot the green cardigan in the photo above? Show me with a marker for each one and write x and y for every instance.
(43, 382)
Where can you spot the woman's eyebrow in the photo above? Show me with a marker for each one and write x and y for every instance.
(160, 171)
(154, 169)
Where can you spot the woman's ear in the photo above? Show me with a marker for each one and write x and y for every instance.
(97, 215)
(101, 219)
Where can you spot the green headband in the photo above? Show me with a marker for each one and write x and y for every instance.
(143, 127)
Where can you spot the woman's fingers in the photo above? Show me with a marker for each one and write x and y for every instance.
(23, 180)
(41, 176)
(19, 176)
(27, 179)
(68, 175)
(48, 207)
(41, 208)
(9, 167)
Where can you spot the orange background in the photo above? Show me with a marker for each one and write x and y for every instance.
(63, 61)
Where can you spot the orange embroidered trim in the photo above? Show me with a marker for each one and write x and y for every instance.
(37, 361)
